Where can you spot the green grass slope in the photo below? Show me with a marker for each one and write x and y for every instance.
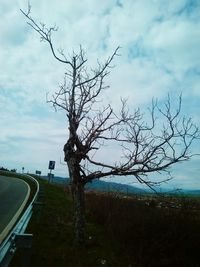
(120, 232)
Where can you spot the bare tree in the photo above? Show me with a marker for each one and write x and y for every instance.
(145, 147)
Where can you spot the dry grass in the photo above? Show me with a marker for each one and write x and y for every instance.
(120, 232)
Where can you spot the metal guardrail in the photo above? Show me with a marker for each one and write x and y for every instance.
(16, 237)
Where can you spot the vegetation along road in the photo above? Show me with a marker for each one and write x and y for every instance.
(14, 194)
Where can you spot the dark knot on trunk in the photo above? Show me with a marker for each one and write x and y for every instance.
(68, 150)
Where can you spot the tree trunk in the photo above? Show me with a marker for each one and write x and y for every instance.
(79, 213)
(77, 190)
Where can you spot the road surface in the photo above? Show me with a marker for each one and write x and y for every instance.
(14, 194)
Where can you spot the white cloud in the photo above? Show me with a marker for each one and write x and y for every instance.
(177, 43)
(139, 82)
(160, 53)
(31, 141)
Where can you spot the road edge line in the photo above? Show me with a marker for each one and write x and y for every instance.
(9, 227)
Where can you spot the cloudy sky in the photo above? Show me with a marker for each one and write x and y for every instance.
(159, 42)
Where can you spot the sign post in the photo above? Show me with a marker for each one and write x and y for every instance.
(51, 167)
(38, 172)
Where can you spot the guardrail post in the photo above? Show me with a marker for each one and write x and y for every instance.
(24, 241)
(9, 254)
(17, 238)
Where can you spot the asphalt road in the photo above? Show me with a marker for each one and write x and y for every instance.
(13, 195)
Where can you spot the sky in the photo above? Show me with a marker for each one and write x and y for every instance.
(159, 55)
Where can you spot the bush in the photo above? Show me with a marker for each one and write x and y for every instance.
(149, 235)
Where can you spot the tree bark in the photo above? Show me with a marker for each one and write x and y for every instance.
(77, 190)
(79, 213)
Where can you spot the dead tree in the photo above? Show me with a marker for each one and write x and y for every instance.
(144, 147)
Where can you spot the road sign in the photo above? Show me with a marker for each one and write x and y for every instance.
(52, 165)
(38, 172)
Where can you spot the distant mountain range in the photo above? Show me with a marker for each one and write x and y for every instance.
(103, 186)
(192, 192)
(113, 187)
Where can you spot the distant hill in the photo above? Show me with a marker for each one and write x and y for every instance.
(192, 192)
(102, 186)
(113, 187)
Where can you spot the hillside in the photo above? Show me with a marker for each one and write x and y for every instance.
(121, 232)
(102, 186)
(192, 192)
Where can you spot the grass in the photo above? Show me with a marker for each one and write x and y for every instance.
(120, 232)
(148, 235)
(53, 236)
